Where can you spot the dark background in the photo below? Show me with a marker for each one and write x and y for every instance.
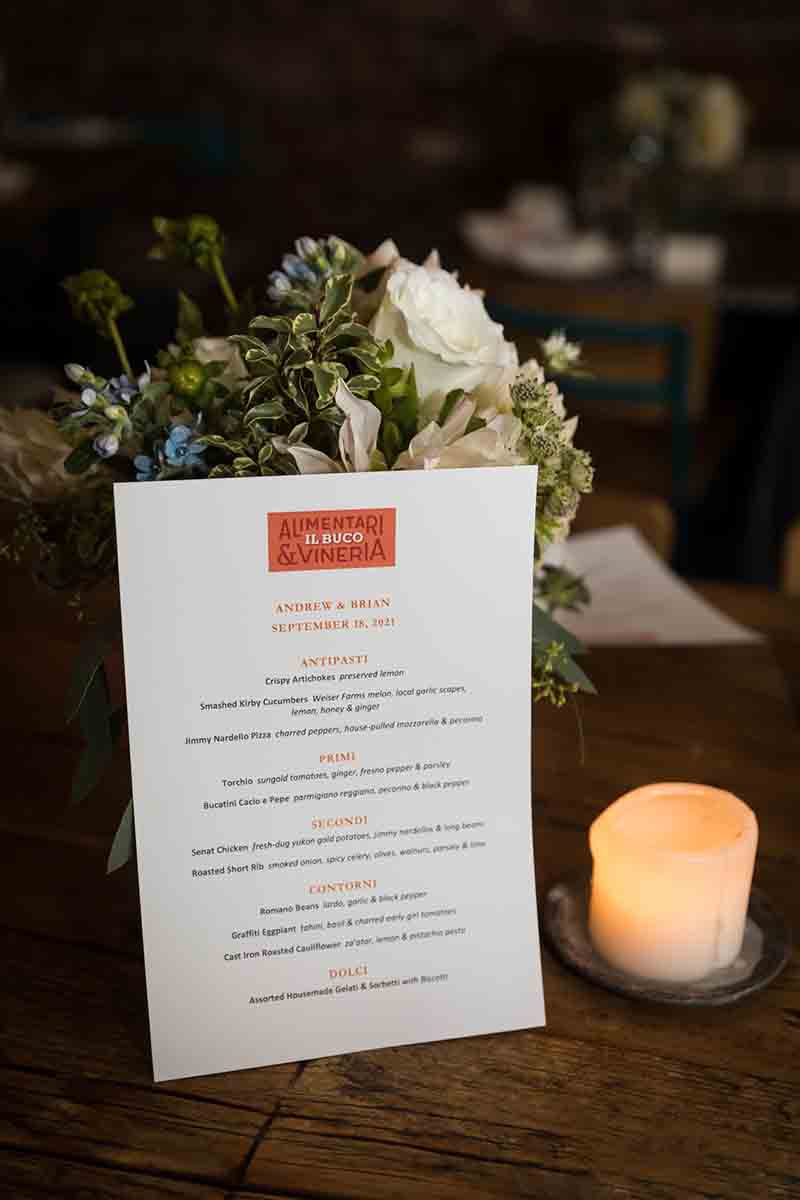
(369, 119)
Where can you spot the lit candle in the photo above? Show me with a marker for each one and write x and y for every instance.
(672, 866)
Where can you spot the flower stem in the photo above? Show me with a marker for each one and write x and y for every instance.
(117, 340)
(224, 283)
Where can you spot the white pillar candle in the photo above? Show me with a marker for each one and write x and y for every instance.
(672, 867)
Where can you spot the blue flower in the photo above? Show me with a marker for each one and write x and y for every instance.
(145, 466)
(121, 389)
(182, 450)
(297, 270)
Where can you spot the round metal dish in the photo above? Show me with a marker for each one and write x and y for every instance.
(765, 951)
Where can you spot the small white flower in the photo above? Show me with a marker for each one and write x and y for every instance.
(559, 353)
(88, 397)
(75, 372)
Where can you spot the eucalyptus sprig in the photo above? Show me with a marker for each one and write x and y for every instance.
(197, 240)
(99, 301)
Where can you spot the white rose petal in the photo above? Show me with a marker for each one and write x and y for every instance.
(441, 329)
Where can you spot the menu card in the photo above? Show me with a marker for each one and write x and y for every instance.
(329, 704)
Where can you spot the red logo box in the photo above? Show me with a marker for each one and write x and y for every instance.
(331, 540)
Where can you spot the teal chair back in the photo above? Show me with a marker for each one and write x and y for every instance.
(671, 391)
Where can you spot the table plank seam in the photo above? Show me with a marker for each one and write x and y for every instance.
(333, 1135)
(263, 1133)
(112, 1165)
(101, 1169)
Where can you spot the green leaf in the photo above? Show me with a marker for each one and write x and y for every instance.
(393, 376)
(122, 845)
(245, 342)
(276, 324)
(243, 464)
(304, 323)
(366, 359)
(94, 648)
(352, 329)
(270, 410)
(570, 672)
(96, 727)
(392, 441)
(81, 458)
(300, 358)
(258, 385)
(547, 629)
(450, 401)
(325, 382)
(337, 294)
(221, 471)
(298, 433)
(264, 455)
(364, 383)
(190, 319)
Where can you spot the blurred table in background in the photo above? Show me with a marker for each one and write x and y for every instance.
(694, 309)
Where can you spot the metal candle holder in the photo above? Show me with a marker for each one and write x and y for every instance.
(765, 951)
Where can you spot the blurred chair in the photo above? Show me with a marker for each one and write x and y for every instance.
(650, 515)
(790, 572)
(669, 393)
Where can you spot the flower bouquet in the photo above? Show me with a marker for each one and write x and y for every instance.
(359, 363)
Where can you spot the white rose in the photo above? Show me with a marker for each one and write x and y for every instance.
(441, 329)
(219, 349)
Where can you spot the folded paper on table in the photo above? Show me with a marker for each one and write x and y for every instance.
(636, 598)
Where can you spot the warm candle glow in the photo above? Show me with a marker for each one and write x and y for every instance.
(672, 866)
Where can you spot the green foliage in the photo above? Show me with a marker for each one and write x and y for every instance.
(96, 299)
(122, 846)
(95, 722)
(188, 418)
(94, 649)
(295, 369)
(565, 472)
(197, 240)
(559, 588)
(190, 320)
(555, 672)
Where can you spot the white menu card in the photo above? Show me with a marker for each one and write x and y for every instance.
(329, 702)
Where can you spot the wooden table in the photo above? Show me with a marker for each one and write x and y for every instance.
(613, 1099)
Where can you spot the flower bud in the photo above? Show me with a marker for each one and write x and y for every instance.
(106, 445)
(308, 248)
(74, 371)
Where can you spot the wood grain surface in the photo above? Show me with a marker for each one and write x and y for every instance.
(614, 1099)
